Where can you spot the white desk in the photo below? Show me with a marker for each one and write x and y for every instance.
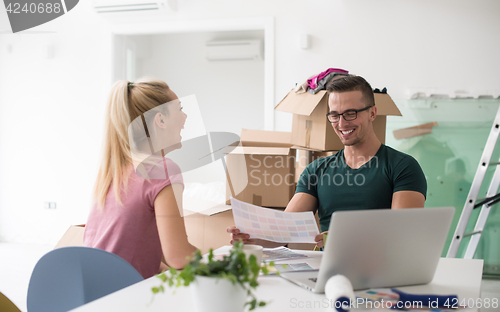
(453, 276)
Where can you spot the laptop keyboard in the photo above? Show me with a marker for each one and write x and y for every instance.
(314, 279)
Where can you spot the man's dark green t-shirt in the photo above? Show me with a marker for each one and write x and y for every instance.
(339, 187)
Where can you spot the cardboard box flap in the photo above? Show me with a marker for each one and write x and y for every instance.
(411, 132)
(305, 103)
(385, 105)
(265, 138)
(301, 104)
(209, 231)
(259, 150)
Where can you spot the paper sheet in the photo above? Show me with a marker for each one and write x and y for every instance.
(274, 225)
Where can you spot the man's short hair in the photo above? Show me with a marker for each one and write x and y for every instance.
(352, 83)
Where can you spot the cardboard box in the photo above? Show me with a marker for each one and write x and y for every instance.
(411, 132)
(207, 229)
(72, 237)
(311, 129)
(267, 174)
(262, 138)
(262, 170)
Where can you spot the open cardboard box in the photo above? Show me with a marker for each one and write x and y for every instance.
(311, 129)
(261, 170)
(206, 228)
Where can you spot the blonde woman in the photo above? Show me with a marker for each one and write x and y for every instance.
(137, 213)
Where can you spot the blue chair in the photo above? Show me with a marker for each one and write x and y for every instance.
(68, 277)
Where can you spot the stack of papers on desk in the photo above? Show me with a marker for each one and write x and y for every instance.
(280, 253)
(283, 254)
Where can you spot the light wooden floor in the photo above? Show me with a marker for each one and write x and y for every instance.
(18, 260)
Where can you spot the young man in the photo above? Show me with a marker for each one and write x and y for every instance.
(364, 175)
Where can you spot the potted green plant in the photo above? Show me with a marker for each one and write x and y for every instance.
(219, 285)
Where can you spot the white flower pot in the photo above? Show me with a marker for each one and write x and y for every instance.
(217, 295)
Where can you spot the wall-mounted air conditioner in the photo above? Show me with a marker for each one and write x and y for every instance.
(233, 50)
(111, 8)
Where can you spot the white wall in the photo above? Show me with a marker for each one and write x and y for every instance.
(444, 44)
(50, 124)
(51, 109)
(230, 94)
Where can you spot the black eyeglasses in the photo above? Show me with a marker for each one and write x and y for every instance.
(349, 115)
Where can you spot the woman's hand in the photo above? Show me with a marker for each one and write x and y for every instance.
(236, 235)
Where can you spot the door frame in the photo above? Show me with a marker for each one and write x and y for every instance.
(168, 27)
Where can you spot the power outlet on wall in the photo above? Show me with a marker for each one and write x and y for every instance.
(49, 205)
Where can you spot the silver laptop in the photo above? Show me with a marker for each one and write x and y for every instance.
(380, 248)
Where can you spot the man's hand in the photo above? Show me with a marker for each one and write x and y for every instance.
(236, 235)
(319, 239)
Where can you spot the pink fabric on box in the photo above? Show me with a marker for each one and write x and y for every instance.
(312, 82)
(130, 231)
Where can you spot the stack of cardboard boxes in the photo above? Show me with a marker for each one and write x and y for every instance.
(275, 159)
